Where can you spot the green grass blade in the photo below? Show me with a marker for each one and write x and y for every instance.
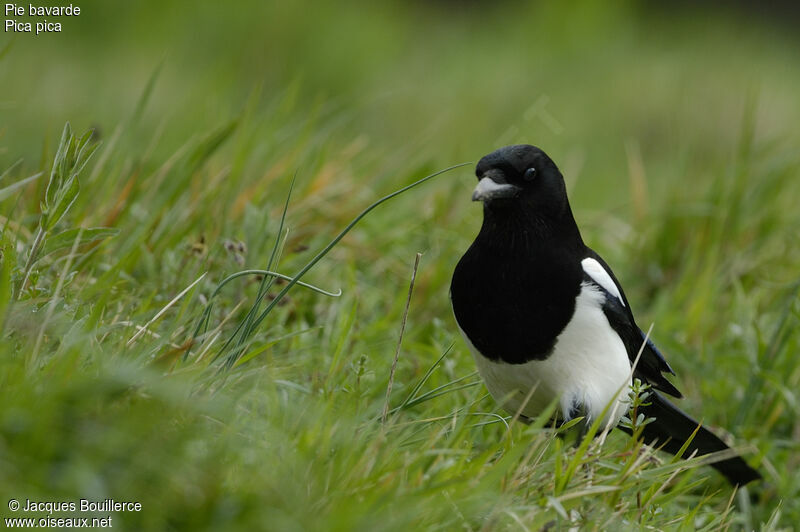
(67, 238)
(10, 189)
(341, 235)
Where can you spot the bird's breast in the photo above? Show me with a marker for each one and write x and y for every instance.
(587, 369)
(512, 310)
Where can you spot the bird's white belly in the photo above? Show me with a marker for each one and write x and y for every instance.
(589, 366)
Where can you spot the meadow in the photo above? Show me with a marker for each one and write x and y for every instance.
(157, 158)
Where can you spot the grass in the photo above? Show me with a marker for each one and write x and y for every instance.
(682, 174)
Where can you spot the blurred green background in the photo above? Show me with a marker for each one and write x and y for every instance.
(676, 128)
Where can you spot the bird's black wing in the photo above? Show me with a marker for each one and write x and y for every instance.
(651, 365)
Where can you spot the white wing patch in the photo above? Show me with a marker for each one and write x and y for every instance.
(599, 275)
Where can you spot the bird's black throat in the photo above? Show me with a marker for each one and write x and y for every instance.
(514, 290)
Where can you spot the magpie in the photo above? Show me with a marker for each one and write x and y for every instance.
(546, 319)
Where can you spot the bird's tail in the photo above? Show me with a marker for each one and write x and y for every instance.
(672, 428)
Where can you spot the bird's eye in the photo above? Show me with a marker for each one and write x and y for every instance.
(529, 174)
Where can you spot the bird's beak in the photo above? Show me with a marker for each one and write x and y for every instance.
(488, 189)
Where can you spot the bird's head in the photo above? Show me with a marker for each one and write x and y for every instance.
(520, 176)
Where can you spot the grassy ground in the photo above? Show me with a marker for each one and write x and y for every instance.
(678, 142)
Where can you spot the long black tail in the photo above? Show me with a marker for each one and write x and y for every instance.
(672, 428)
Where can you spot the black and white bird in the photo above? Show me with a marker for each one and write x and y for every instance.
(546, 319)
